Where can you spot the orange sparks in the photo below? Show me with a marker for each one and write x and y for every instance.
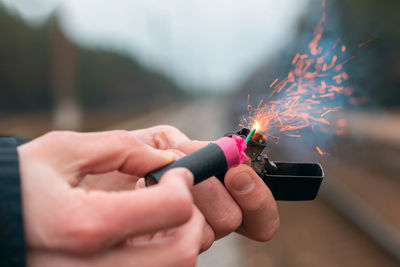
(348, 91)
(337, 42)
(347, 60)
(341, 123)
(314, 87)
(340, 132)
(294, 135)
(358, 100)
(274, 82)
(333, 62)
(327, 95)
(295, 58)
(320, 151)
(330, 110)
(368, 41)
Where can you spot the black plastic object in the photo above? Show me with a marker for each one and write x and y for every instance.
(203, 163)
(286, 180)
(294, 181)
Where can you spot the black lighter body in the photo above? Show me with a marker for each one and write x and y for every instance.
(287, 180)
(291, 181)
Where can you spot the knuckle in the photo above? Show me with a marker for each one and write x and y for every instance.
(121, 136)
(121, 139)
(120, 133)
(55, 140)
(164, 136)
(167, 129)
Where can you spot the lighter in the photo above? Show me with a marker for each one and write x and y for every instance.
(286, 180)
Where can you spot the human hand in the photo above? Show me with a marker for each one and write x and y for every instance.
(69, 226)
(245, 204)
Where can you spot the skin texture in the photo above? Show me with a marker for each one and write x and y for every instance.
(86, 205)
(70, 225)
(244, 205)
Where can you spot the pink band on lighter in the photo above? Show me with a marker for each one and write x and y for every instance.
(233, 149)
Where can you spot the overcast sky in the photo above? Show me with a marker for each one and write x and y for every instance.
(204, 45)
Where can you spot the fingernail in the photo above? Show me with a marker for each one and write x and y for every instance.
(189, 176)
(242, 183)
(169, 156)
(140, 184)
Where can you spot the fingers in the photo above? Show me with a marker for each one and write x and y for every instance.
(208, 238)
(168, 137)
(219, 208)
(111, 181)
(260, 214)
(181, 251)
(94, 153)
(224, 211)
(140, 184)
(192, 146)
(161, 137)
(101, 219)
(118, 181)
(178, 248)
(221, 211)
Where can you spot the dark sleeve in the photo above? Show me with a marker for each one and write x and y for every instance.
(12, 243)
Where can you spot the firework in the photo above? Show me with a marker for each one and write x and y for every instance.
(314, 87)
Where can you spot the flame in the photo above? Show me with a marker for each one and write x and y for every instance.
(313, 88)
(256, 126)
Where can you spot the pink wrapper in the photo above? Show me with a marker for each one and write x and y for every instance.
(234, 150)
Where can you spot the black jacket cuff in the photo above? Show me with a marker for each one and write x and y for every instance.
(12, 243)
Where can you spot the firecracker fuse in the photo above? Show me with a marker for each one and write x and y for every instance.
(213, 159)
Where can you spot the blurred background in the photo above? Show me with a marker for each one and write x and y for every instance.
(96, 65)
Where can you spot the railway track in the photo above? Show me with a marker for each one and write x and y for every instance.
(368, 194)
(369, 220)
(362, 184)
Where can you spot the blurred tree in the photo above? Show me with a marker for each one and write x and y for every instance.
(67, 111)
(34, 61)
(24, 65)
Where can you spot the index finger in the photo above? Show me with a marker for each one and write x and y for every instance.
(105, 219)
(168, 137)
(161, 137)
